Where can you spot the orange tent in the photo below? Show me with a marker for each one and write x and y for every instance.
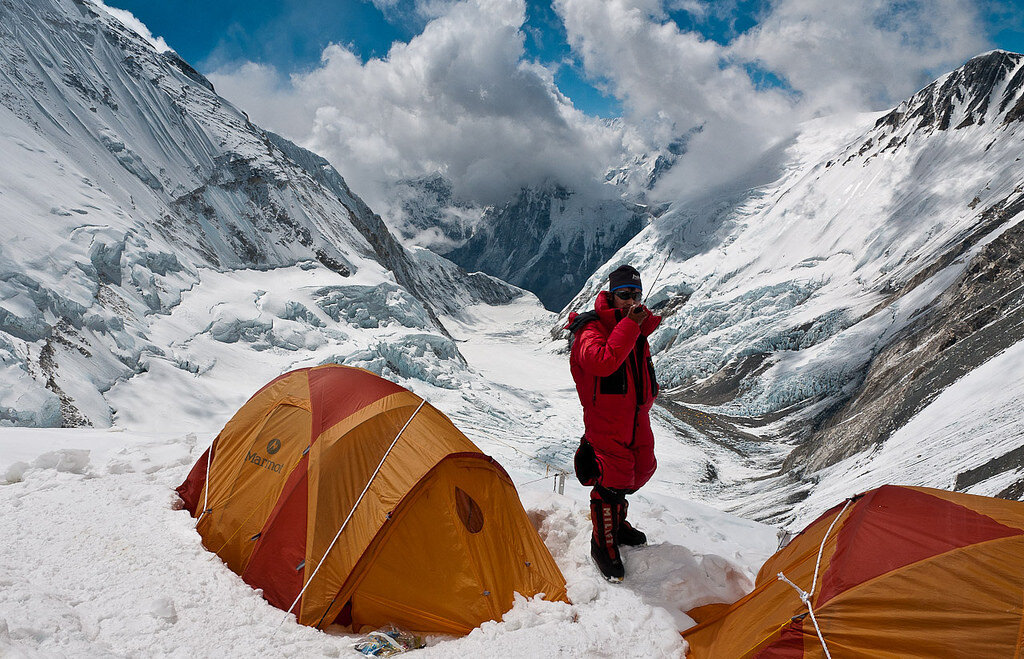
(903, 572)
(349, 500)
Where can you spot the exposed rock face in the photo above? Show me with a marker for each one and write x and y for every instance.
(962, 98)
(550, 240)
(977, 317)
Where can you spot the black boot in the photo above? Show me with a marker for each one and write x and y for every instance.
(627, 535)
(602, 542)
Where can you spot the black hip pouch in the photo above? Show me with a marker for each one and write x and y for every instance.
(588, 470)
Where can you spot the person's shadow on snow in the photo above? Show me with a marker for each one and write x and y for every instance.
(675, 579)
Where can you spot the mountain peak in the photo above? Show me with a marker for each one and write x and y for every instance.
(984, 89)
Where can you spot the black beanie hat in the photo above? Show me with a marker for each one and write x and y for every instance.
(624, 275)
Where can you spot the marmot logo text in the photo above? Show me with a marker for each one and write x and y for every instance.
(254, 458)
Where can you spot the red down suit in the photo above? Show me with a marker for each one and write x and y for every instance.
(611, 364)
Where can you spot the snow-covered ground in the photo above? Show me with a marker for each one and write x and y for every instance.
(158, 297)
(981, 410)
(98, 563)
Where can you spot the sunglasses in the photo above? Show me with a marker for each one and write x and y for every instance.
(629, 294)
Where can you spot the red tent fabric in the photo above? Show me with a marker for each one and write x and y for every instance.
(895, 572)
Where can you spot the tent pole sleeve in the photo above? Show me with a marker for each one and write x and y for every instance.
(206, 488)
(817, 563)
(356, 505)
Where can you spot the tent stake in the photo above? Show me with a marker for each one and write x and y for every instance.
(560, 482)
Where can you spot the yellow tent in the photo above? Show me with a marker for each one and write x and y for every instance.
(349, 500)
(896, 572)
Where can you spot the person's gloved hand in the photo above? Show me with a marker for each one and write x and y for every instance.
(638, 313)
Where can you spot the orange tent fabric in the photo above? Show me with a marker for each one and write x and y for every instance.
(438, 543)
(905, 572)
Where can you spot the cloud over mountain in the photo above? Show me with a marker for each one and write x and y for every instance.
(465, 97)
(460, 97)
(802, 59)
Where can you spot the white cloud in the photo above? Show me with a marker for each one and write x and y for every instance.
(462, 97)
(672, 81)
(267, 97)
(697, 8)
(412, 14)
(135, 25)
(867, 54)
(835, 57)
(458, 98)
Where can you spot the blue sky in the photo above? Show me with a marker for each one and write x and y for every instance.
(291, 34)
(498, 94)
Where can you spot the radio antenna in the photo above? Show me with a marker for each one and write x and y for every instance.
(657, 276)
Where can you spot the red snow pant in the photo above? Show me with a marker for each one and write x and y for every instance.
(626, 463)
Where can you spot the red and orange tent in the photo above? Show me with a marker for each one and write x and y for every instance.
(895, 572)
(346, 498)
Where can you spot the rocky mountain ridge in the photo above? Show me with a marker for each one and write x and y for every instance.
(548, 240)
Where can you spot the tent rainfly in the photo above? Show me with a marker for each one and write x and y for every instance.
(347, 499)
(895, 572)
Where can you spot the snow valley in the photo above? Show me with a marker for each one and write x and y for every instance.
(846, 313)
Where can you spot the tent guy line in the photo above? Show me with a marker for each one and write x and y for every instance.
(805, 596)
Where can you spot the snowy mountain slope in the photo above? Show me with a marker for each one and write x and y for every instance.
(143, 584)
(129, 184)
(547, 239)
(969, 439)
(819, 304)
(425, 212)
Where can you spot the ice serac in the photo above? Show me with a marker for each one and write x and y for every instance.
(128, 185)
(818, 304)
